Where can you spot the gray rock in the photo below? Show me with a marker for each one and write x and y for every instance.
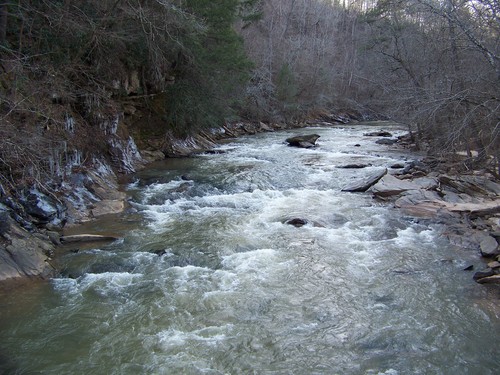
(303, 141)
(22, 255)
(494, 265)
(43, 208)
(381, 133)
(365, 183)
(54, 237)
(428, 183)
(470, 185)
(489, 247)
(389, 185)
(386, 141)
(481, 274)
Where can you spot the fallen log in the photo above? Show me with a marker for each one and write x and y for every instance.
(86, 238)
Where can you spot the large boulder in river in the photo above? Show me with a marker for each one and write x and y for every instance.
(303, 141)
(366, 182)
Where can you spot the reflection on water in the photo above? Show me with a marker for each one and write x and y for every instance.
(208, 278)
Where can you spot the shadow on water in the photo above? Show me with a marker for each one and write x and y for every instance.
(8, 367)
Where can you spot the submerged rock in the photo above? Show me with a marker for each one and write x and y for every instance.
(303, 141)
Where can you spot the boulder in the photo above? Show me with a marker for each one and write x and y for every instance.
(365, 183)
(380, 133)
(489, 247)
(303, 141)
(296, 222)
(389, 185)
(386, 141)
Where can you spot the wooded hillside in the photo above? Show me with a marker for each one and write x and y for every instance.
(71, 71)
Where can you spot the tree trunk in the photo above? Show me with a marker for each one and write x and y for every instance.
(3, 22)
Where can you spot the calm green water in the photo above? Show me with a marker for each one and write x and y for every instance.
(207, 278)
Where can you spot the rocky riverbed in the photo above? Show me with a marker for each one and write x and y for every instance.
(468, 205)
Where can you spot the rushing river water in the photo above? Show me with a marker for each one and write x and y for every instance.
(209, 279)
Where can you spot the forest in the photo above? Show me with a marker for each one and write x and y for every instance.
(71, 70)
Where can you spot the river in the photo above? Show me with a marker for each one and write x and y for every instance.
(208, 278)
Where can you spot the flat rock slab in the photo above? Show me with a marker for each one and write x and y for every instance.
(86, 238)
(478, 209)
(389, 185)
(365, 183)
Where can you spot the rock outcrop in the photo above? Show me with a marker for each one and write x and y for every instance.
(22, 254)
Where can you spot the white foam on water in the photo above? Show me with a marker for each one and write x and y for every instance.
(104, 283)
(173, 339)
(411, 236)
(255, 262)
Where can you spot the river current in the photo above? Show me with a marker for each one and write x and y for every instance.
(208, 278)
